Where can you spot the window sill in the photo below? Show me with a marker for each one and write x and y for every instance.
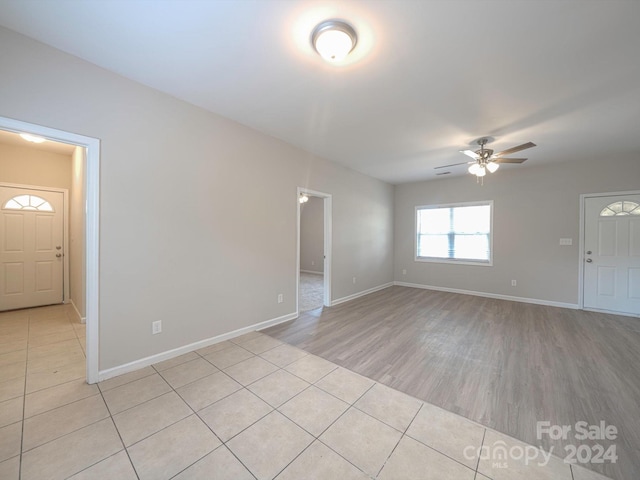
(451, 261)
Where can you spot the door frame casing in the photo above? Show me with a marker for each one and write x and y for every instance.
(92, 226)
(327, 204)
(581, 241)
(66, 290)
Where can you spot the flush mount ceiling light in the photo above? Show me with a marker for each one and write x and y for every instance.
(32, 138)
(334, 40)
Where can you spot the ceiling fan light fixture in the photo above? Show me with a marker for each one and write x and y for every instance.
(334, 40)
(485, 159)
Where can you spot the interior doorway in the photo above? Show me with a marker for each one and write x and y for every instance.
(314, 250)
(611, 253)
(89, 178)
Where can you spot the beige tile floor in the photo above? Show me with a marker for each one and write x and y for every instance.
(250, 408)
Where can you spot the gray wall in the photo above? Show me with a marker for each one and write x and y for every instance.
(533, 208)
(312, 235)
(198, 213)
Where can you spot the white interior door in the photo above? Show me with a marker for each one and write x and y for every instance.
(31, 248)
(612, 253)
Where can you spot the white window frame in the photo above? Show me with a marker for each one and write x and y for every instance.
(454, 261)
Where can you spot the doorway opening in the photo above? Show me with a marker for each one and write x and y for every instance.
(314, 250)
(88, 179)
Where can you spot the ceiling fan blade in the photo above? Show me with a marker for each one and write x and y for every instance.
(470, 153)
(509, 160)
(515, 149)
(452, 165)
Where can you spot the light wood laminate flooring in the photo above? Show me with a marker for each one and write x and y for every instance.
(503, 364)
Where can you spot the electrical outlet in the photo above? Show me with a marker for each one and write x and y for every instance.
(354, 280)
(404, 271)
(280, 298)
(514, 283)
(156, 327)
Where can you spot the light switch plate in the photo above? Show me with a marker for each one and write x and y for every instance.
(566, 241)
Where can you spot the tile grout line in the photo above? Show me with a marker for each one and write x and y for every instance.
(99, 461)
(126, 383)
(338, 418)
(222, 443)
(24, 397)
(72, 431)
(317, 438)
(119, 436)
(399, 440)
(196, 413)
(484, 435)
(403, 434)
(375, 382)
(442, 453)
(273, 409)
(180, 396)
(109, 416)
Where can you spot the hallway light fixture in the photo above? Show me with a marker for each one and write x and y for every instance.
(334, 40)
(32, 138)
(303, 198)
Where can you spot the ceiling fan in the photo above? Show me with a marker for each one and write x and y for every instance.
(485, 159)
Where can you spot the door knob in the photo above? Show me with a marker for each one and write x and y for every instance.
(588, 260)
(58, 255)
(58, 247)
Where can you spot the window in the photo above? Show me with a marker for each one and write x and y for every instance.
(459, 233)
(620, 208)
(28, 202)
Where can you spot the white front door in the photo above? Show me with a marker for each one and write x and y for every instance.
(31, 248)
(612, 253)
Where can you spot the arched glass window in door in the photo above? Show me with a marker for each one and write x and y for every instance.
(620, 208)
(28, 202)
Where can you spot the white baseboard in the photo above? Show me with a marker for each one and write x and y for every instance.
(160, 357)
(610, 312)
(79, 317)
(498, 296)
(311, 271)
(361, 294)
(275, 321)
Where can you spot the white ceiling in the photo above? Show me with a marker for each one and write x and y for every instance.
(426, 79)
(10, 138)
